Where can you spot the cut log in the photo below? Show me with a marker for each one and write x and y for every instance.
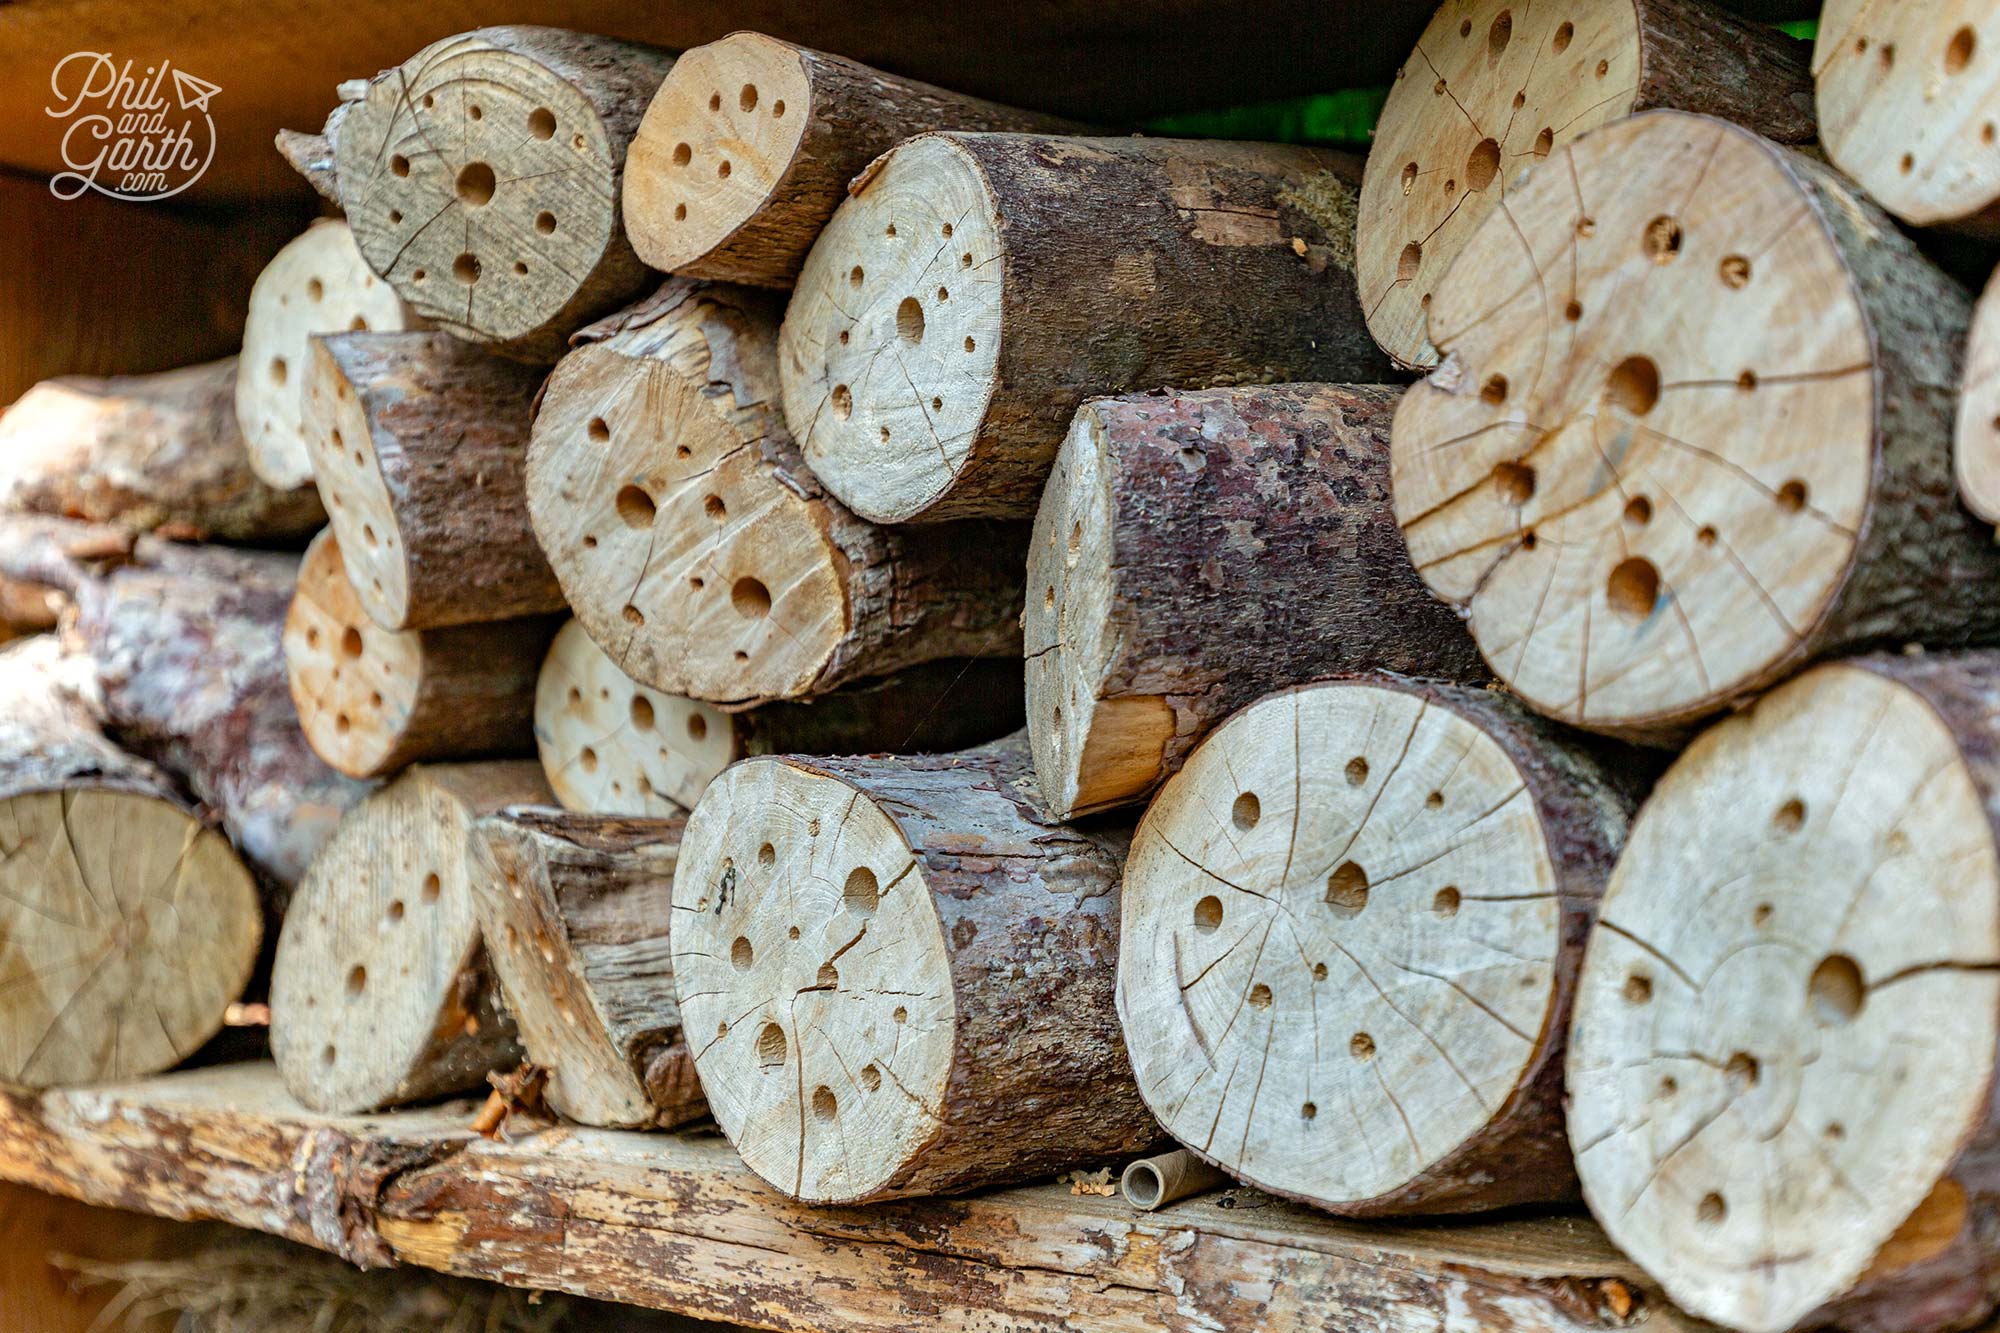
(417, 442)
(1909, 102)
(373, 700)
(481, 178)
(750, 143)
(613, 747)
(317, 284)
(1651, 485)
(908, 975)
(187, 643)
(1494, 87)
(694, 543)
(130, 925)
(1375, 892)
(1781, 1080)
(978, 287)
(1976, 446)
(1197, 550)
(145, 452)
(382, 992)
(575, 909)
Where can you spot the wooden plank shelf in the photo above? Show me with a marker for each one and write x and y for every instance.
(675, 1222)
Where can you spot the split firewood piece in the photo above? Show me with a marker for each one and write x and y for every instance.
(1495, 86)
(145, 452)
(612, 746)
(1909, 104)
(899, 977)
(1976, 446)
(1781, 1077)
(695, 545)
(417, 442)
(1375, 892)
(1652, 488)
(751, 141)
(482, 176)
(131, 925)
(373, 700)
(1197, 550)
(382, 992)
(317, 284)
(949, 322)
(575, 910)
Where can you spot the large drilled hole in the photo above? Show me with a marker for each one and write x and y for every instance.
(1634, 385)
(1514, 483)
(1347, 889)
(1633, 589)
(642, 712)
(1958, 51)
(1245, 811)
(862, 891)
(824, 1106)
(741, 954)
(1500, 33)
(1560, 42)
(1836, 990)
(1259, 996)
(771, 1046)
(1411, 260)
(350, 642)
(1483, 165)
(910, 320)
(1208, 914)
(476, 184)
(751, 599)
(1545, 142)
(1663, 239)
(636, 507)
(542, 123)
(843, 402)
(466, 268)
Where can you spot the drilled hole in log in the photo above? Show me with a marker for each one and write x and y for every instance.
(901, 1015)
(682, 154)
(1663, 240)
(1482, 165)
(315, 290)
(399, 165)
(862, 891)
(642, 712)
(715, 508)
(1245, 811)
(767, 856)
(1499, 34)
(1260, 996)
(1791, 816)
(1638, 511)
(1792, 496)
(1573, 311)
(697, 727)
(350, 641)
(326, 1056)
(599, 430)
(1361, 1046)
(1735, 271)
(1836, 990)
(476, 184)
(854, 276)
(680, 212)
(843, 402)
(1208, 914)
(1409, 177)
(771, 1046)
(280, 372)
(1445, 904)
(1711, 1209)
(1545, 142)
(828, 976)
(1634, 385)
(747, 99)
(357, 979)
(824, 1107)
(1603, 68)
(433, 886)
(722, 171)
(545, 223)
(1347, 889)
(1409, 262)
(542, 123)
(1633, 589)
(466, 268)
(1515, 483)
(395, 910)
(741, 955)
(1357, 771)
(1494, 391)
(636, 507)
(1958, 51)
(1638, 988)
(910, 320)
(633, 615)
(1435, 801)
(751, 599)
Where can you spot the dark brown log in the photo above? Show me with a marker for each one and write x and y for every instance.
(750, 143)
(576, 911)
(1196, 550)
(417, 443)
(977, 288)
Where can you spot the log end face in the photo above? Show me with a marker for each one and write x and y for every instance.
(354, 683)
(1785, 1024)
(1624, 495)
(890, 348)
(1347, 886)
(341, 443)
(816, 988)
(1976, 442)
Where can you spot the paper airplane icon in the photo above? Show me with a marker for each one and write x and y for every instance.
(193, 92)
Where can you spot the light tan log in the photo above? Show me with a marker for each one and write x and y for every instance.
(1350, 935)
(952, 318)
(1168, 1177)
(1196, 550)
(382, 992)
(144, 452)
(372, 700)
(482, 176)
(1909, 104)
(1650, 483)
(576, 910)
(898, 977)
(750, 143)
(417, 442)
(317, 284)
(130, 924)
(1781, 1078)
(694, 543)
(1976, 445)
(1495, 87)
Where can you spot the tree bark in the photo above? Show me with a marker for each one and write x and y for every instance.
(130, 924)
(696, 547)
(750, 143)
(383, 992)
(482, 177)
(576, 909)
(373, 700)
(1375, 891)
(902, 944)
(977, 288)
(417, 442)
(1644, 527)
(1494, 88)
(1197, 550)
(146, 452)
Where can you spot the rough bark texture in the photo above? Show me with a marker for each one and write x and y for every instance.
(576, 912)
(418, 443)
(1695, 56)
(1196, 550)
(938, 706)
(844, 115)
(146, 452)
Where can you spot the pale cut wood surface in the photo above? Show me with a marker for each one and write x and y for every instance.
(1976, 442)
(677, 1222)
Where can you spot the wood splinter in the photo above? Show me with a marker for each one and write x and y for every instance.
(898, 978)
(1376, 892)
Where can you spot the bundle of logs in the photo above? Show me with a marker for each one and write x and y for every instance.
(948, 640)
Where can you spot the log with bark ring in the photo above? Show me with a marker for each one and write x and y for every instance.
(898, 978)
(1351, 930)
(1781, 1073)
(1496, 86)
(951, 318)
(1651, 483)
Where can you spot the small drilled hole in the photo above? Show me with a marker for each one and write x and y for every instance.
(1747, 381)
(1560, 42)
(633, 615)
(1958, 51)
(1836, 990)
(350, 642)
(722, 170)
(545, 223)
(476, 184)
(771, 1046)
(1633, 589)
(1494, 391)
(747, 99)
(1573, 311)
(1361, 1046)
(751, 599)
(862, 891)
(1409, 177)
(1711, 1209)
(542, 123)
(357, 979)
(1308, 1111)
(599, 430)
(1499, 34)
(1742, 1069)
(910, 320)
(871, 1077)
(1663, 239)
(1705, 536)
(1634, 385)
(741, 955)
(1245, 811)
(1347, 889)
(843, 401)
(280, 372)
(1445, 904)
(1545, 142)
(396, 910)
(697, 727)
(1638, 511)
(824, 1106)
(642, 712)
(1410, 262)
(466, 268)
(969, 344)
(433, 887)
(767, 856)
(855, 275)
(714, 507)
(1735, 271)
(1515, 483)
(1208, 914)
(901, 1015)
(636, 507)
(1638, 988)
(1603, 68)
(1791, 816)
(1792, 496)
(1482, 165)
(399, 164)
(1260, 996)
